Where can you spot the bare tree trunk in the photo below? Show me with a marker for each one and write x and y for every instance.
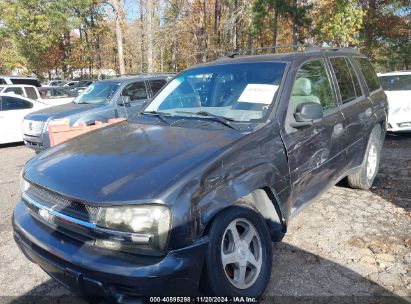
(119, 34)
(202, 34)
(142, 5)
(149, 31)
(235, 35)
(275, 29)
(174, 53)
(295, 29)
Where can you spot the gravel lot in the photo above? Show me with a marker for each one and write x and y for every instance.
(349, 246)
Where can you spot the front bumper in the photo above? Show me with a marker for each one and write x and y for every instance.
(120, 276)
(36, 142)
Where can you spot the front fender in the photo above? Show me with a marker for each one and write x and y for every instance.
(251, 188)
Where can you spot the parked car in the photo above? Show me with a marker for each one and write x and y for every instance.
(397, 86)
(19, 80)
(57, 95)
(46, 95)
(13, 108)
(101, 101)
(71, 83)
(55, 83)
(193, 190)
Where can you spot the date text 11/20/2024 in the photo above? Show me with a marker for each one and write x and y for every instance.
(202, 300)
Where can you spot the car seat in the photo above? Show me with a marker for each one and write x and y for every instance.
(301, 92)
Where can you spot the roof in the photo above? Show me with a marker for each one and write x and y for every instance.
(394, 73)
(139, 77)
(20, 77)
(306, 53)
(16, 85)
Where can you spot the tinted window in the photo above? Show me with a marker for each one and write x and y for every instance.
(369, 74)
(31, 92)
(33, 82)
(2, 81)
(156, 85)
(396, 82)
(14, 103)
(354, 76)
(18, 91)
(312, 84)
(242, 92)
(136, 91)
(60, 93)
(344, 79)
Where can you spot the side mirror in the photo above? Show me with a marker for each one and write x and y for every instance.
(307, 113)
(124, 101)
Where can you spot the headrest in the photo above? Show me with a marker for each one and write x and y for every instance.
(302, 87)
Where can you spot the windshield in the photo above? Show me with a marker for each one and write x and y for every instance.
(396, 82)
(98, 92)
(239, 92)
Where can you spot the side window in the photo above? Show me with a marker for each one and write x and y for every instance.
(2, 81)
(136, 91)
(156, 85)
(369, 74)
(312, 84)
(31, 92)
(354, 76)
(18, 91)
(60, 93)
(14, 103)
(344, 79)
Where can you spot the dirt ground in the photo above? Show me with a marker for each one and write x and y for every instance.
(349, 246)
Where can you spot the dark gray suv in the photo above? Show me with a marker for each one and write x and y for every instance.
(190, 194)
(102, 100)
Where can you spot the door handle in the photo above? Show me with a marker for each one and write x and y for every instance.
(368, 112)
(338, 129)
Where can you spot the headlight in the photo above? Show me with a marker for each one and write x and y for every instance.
(24, 185)
(58, 122)
(150, 222)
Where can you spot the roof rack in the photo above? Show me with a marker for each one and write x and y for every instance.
(294, 48)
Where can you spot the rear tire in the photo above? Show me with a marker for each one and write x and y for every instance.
(239, 255)
(365, 176)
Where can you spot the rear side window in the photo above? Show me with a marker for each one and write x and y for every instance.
(60, 93)
(2, 81)
(33, 82)
(156, 85)
(13, 103)
(18, 91)
(31, 92)
(312, 84)
(369, 74)
(346, 78)
(136, 91)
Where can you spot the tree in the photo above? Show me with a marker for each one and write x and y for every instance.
(338, 23)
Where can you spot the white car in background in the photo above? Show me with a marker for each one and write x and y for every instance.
(397, 86)
(13, 108)
(53, 96)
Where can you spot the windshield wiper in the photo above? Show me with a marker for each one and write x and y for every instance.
(160, 115)
(221, 119)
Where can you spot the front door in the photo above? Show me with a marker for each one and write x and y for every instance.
(316, 153)
(137, 93)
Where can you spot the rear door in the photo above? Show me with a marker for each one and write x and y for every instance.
(316, 153)
(156, 85)
(13, 111)
(356, 108)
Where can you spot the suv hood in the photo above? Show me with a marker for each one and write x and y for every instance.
(60, 111)
(125, 162)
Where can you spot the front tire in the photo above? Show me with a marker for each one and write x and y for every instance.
(239, 256)
(364, 177)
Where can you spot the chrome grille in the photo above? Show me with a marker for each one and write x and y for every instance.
(63, 204)
(32, 127)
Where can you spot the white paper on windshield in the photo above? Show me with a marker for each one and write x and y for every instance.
(258, 93)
